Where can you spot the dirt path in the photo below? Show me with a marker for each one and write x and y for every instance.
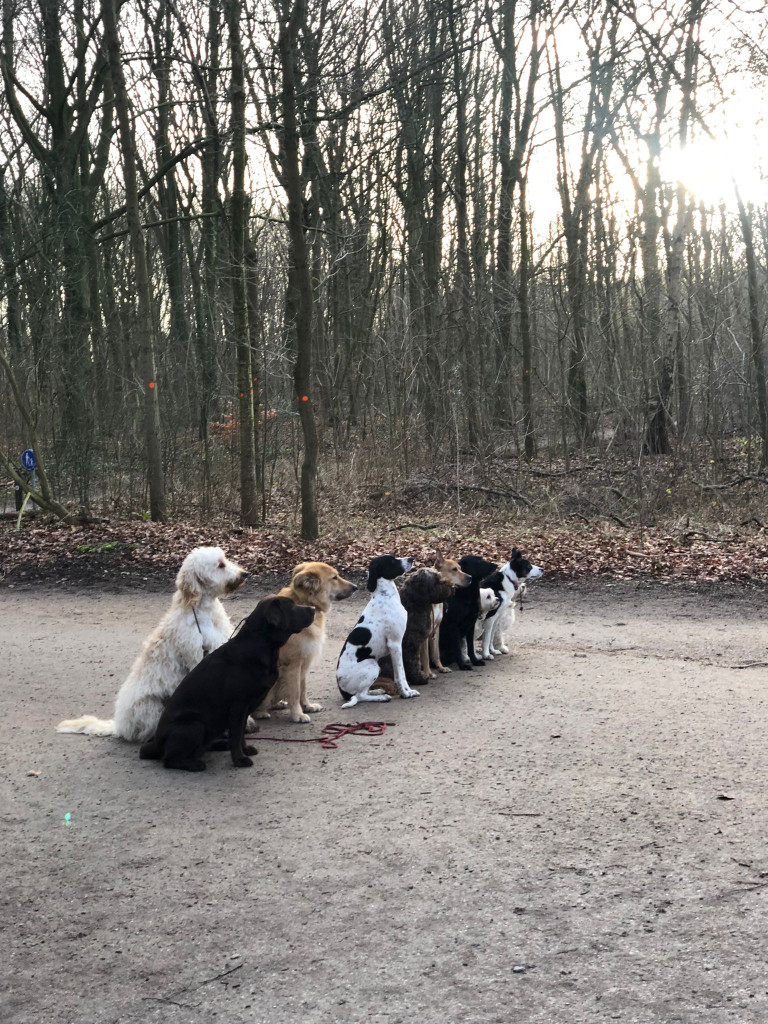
(539, 841)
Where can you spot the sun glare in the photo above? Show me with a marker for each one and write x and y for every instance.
(708, 169)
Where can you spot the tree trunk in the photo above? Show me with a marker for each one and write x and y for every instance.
(467, 338)
(145, 331)
(239, 229)
(755, 332)
(526, 272)
(300, 283)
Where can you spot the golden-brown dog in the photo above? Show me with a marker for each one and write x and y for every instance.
(317, 585)
(450, 572)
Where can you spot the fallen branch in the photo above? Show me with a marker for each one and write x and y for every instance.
(612, 515)
(736, 482)
(689, 535)
(429, 484)
(558, 472)
(413, 526)
(498, 494)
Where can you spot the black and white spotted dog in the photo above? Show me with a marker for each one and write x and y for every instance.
(508, 583)
(379, 632)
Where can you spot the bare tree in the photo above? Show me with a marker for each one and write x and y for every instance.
(144, 323)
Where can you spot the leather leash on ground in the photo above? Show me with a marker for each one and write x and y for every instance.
(333, 733)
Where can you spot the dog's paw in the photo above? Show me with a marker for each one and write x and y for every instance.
(186, 765)
(504, 650)
(300, 717)
(279, 705)
(445, 670)
(311, 709)
(250, 750)
(408, 692)
(261, 714)
(465, 666)
(243, 762)
(250, 725)
(488, 657)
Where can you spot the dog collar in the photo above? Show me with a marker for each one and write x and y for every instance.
(206, 650)
(514, 583)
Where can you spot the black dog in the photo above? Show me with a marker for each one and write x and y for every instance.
(417, 595)
(457, 630)
(226, 686)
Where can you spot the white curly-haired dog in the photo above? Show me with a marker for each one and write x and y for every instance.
(195, 624)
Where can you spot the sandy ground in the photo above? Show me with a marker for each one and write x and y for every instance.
(540, 840)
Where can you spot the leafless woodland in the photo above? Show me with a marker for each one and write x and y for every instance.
(252, 248)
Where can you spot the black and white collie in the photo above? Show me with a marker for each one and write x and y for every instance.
(508, 583)
(379, 632)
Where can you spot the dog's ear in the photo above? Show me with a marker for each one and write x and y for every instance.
(373, 574)
(439, 560)
(307, 581)
(189, 585)
(420, 585)
(274, 612)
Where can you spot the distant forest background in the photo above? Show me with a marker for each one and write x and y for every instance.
(255, 253)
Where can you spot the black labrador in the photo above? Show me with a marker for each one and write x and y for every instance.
(224, 688)
(457, 630)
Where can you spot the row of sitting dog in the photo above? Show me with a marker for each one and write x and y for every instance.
(193, 680)
(440, 612)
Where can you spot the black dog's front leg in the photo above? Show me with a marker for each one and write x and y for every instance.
(456, 654)
(470, 638)
(237, 749)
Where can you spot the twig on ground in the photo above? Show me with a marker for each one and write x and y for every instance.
(218, 977)
(521, 814)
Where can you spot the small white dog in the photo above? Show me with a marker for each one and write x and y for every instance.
(195, 624)
(489, 602)
(509, 584)
(379, 632)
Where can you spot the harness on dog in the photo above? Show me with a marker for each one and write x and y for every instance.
(206, 650)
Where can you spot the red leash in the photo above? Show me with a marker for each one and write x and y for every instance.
(333, 733)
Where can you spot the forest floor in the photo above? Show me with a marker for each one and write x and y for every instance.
(667, 519)
(572, 834)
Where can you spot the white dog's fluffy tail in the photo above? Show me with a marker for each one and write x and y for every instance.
(88, 724)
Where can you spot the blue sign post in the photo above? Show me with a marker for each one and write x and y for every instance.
(28, 462)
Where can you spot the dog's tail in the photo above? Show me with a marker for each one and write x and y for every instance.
(88, 724)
